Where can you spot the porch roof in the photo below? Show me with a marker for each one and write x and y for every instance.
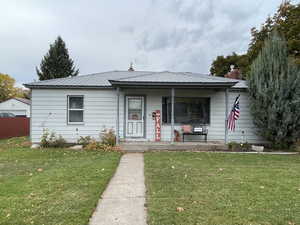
(139, 78)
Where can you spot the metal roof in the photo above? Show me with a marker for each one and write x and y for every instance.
(106, 79)
(24, 100)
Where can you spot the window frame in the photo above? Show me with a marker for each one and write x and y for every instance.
(69, 109)
(166, 123)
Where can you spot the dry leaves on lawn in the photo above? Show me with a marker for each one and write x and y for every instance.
(179, 209)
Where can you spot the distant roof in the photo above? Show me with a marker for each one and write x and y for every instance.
(24, 100)
(108, 79)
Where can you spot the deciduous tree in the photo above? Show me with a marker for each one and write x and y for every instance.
(221, 65)
(8, 89)
(286, 21)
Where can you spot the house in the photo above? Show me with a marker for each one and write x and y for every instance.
(130, 101)
(17, 106)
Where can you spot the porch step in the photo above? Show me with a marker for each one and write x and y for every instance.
(147, 147)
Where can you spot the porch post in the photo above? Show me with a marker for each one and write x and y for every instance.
(226, 115)
(118, 117)
(172, 114)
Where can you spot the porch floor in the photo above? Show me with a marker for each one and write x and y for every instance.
(145, 146)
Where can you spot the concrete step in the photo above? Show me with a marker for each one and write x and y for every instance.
(136, 147)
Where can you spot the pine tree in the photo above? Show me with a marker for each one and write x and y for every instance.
(57, 63)
(274, 89)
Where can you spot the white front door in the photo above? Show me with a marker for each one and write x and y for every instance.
(135, 116)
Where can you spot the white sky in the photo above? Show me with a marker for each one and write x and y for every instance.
(157, 35)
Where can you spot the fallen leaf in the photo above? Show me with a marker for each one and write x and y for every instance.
(8, 215)
(179, 209)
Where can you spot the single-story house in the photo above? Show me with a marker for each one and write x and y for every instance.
(16, 106)
(129, 101)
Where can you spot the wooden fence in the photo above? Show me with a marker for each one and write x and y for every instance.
(14, 127)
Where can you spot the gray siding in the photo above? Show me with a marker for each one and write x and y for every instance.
(100, 112)
(245, 122)
(154, 102)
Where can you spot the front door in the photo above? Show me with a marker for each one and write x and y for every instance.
(135, 116)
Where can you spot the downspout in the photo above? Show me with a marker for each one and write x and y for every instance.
(226, 115)
(30, 116)
(118, 117)
(172, 114)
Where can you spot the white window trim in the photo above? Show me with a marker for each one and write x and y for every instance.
(79, 109)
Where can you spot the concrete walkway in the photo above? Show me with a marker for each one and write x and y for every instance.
(123, 201)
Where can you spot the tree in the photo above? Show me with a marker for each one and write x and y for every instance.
(8, 89)
(286, 21)
(57, 63)
(221, 65)
(274, 89)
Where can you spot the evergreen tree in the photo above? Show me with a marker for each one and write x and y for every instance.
(57, 63)
(274, 89)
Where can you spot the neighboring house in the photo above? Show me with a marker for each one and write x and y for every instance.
(125, 101)
(17, 106)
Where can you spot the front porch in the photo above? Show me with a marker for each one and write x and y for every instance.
(148, 146)
(201, 108)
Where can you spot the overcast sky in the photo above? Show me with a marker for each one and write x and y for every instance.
(174, 35)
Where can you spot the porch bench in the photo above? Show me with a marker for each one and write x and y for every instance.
(201, 131)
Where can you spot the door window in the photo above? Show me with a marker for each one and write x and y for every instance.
(135, 109)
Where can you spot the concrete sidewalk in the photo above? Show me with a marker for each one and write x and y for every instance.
(122, 203)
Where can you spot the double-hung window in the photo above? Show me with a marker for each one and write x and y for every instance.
(75, 109)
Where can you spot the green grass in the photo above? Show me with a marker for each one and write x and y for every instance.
(53, 186)
(222, 189)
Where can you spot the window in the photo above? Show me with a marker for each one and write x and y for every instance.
(187, 110)
(75, 109)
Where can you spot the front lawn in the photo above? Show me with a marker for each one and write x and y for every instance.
(53, 186)
(222, 189)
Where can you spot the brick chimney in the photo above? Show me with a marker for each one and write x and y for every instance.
(233, 73)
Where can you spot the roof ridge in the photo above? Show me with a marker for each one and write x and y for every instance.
(72, 77)
(151, 72)
(139, 75)
(214, 77)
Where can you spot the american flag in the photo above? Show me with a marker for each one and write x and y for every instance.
(234, 114)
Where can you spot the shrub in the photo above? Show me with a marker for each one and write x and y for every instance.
(98, 146)
(234, 146)
(50, 140)
(84, 141)
(108, 137)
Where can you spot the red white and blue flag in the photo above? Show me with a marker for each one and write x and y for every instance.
(234, 114)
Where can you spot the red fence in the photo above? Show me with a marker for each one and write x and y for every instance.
(14, 127)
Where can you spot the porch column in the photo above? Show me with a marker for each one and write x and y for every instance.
(118, 117)
(226, 115)
(172, 114)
